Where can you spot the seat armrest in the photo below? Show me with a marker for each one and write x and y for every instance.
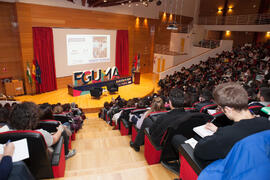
(125, 123)
(188, 153)
(147, 133)
(135, 127)
(57, 151)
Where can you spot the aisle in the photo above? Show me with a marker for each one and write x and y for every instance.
(102, 153)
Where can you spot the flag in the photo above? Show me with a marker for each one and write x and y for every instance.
(28, 73)
(135, 61)
(38, 73)
(34, 71)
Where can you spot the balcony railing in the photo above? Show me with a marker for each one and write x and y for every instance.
(250, 19)
(211, 44)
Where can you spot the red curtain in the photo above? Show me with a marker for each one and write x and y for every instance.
(44, 55)
(122, 52)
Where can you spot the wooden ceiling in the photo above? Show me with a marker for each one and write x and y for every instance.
(108, 3)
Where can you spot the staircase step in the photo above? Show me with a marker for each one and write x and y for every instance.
(101, 143)
(98, 158)
(102, 170)
(96, 134)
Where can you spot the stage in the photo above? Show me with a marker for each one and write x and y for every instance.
(147, 86)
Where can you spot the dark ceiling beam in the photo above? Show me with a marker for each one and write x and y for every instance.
(94, 3)
(114, 3)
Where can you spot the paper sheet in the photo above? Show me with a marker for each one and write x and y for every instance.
(202, 131)
(21, 150)
(192, 142)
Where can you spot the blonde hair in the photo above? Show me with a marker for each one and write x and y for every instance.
(157, 105)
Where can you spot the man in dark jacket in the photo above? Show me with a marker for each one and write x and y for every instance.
(232, 99)
(177, 112)
(158, 128)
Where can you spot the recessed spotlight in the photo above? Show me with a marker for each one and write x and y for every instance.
(104, 0)
(122, 4)
(129, 1)
(137, 4)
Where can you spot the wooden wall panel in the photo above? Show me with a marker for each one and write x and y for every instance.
(141, 40)
(10, 61)
(30, 15)
(239, 38)
(63, 82)
(210, 7)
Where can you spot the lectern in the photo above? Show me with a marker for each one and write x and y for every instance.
(137, 76)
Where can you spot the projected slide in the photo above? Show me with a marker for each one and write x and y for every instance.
(85, 49)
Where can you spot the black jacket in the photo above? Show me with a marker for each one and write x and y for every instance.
(220, 143)
(162, 123)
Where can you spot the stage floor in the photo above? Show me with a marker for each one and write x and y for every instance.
(148, 85)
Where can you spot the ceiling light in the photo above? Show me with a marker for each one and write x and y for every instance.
(129, 5)
(137, 4)
(104, 0)
(172, 26)
(122, 4)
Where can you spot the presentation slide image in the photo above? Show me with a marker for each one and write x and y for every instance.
(85, 49)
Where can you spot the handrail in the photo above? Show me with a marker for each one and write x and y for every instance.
(249, 19)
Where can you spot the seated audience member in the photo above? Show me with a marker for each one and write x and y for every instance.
(140, 105)
(76, 123)
(4, 113)
(232, 99)
(157, 129)
(46, 114)
(157, 105)
(204, 99)
(25, 116)
(176, 101)
(263, 96)
(6, 161)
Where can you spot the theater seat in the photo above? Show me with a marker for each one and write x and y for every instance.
(123, 123)
(209, 106)
(49, 125)
(39, 163)
(164, 151)
(134, 132)
(256, 109)
(190, 166)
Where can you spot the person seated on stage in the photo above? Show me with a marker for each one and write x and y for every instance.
(25, 116)
(232, 99)
(157, 105)
(263, 96)
(204, 100)
(158, 128)
(6, 161)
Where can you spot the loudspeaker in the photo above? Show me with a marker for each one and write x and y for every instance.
(96, 92)
(112, 87)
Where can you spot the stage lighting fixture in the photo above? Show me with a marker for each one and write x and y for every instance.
(159, 3)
